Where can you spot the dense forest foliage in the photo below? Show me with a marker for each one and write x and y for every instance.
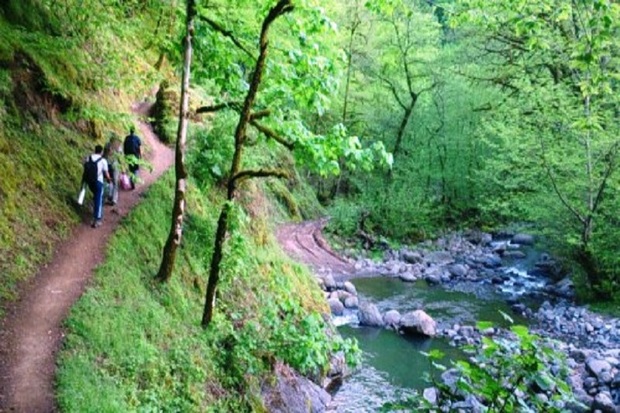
(408, 118)
(496, 113)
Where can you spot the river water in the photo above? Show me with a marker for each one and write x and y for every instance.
(393, 366)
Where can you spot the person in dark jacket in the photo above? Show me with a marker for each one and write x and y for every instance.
(132, 148)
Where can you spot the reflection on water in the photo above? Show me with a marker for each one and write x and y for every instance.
(393, 367)
(446, 307)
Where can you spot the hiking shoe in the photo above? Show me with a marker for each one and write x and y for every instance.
(96, 224)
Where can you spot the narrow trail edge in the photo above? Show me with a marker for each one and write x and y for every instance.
(31, 332)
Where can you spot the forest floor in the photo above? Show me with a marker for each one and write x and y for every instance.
(31, 332)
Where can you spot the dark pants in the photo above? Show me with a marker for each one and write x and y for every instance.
(134, 174)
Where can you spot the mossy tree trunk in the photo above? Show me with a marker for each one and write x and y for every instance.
(236, 173)
(178, 211)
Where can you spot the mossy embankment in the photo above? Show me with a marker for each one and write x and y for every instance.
(65, 85)
(135, 345)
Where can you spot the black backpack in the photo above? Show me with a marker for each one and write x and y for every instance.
(91, 172)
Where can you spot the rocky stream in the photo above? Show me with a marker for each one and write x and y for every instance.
(529, 284)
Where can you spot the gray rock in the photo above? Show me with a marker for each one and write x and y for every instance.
(351, 302)
(336, 306)
(329, 282)
(523, 239)
(392, 318)
(291, 392)
(606, 377)
(492, 261)
(581, 404)
(450, 378)
(439, 258)
(342, 295)
(350, 288)
(604, 403)
(589, 383)
(514, 255)
(457, 270)
(597, 366)
(580, 355)
(407, 276)
(369, 315)
(479, 238)
(433, 276)
(467, 331)
(418, 322)
(412, 257)
(431, 395)
(337, 370)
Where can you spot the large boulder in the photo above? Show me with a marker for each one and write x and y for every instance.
(335, 305)
(479, 238)
(330, 283)
(418, 322)
(392, 319)
(433, 275)
(369, 315)
(407, 276)
(350, 288)
(604, 402)
(597, 367)
(290, 392)
(351, 302)
(412, 257)
(458, 270)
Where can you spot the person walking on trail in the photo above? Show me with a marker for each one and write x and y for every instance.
(112, 153)
(133, 152)
(95, 170)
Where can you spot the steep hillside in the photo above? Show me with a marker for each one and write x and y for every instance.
(68, 76)
(64, 86)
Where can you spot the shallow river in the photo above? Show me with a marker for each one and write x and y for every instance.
(393, 366)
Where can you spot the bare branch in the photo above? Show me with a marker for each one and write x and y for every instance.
(270, 133)
(259, 173)
(227, 33)
(260, 114)
(611, 156)
(556, 189)
(215, 108)
(392, 88)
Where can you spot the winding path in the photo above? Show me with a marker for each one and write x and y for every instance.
(305, 243)
(31, 332)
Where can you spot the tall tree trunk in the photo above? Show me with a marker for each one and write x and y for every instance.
(283, 6)
(178, 210)
(403, 126)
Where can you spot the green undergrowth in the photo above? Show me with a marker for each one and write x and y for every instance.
(135, 345)
(60, 94)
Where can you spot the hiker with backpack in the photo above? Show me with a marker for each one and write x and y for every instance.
(133, 153)
(95, 170)
(112, 153)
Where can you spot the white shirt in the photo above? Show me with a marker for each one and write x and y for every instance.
(102, 165)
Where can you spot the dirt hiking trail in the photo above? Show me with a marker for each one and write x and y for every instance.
(305, 242)
(31, 332)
